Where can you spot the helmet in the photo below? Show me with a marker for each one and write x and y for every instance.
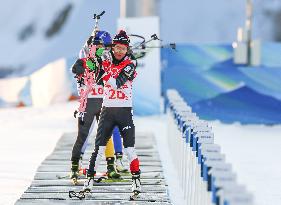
(102, 37)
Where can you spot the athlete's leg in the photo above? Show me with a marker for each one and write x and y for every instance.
(105, 127)
(118, 150)
(109, 150)
(127, 129)
(117, 140)
(84, 130)
(110, 159)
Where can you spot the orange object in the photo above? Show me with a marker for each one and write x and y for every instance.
(73, 98)
(20, 104)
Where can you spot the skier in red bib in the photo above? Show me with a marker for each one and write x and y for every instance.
(119, 72)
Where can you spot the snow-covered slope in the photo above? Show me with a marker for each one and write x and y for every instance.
(251, 149)
(29, 134)
(31, 35)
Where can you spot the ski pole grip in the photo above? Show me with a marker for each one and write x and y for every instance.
(101, 13)
(98, 16)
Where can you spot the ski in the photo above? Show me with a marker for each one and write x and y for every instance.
(110, 180)
(63, 177)
(141, 197)
(82, 172)
(136, 196)
(125, 173)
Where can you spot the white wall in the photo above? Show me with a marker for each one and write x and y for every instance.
(50, 84)
(10, 89)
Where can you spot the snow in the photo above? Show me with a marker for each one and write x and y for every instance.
(253, 151)
(29, 134)
(158, 126)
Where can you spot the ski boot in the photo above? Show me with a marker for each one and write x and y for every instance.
(136, 185)
(111, 172)
(119, 163)
(74, 172)
(89, 183)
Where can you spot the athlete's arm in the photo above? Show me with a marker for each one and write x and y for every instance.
(128, 73)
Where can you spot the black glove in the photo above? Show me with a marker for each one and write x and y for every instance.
(126, 74)
(78, 68)
(129, 71)
(121, 80)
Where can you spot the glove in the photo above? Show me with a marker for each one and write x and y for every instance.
(121, 80)
(78, 68)
(129, 70)
(128, 73)
(91, 65)
(99, 52)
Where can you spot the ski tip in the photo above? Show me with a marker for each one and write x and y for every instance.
(70, 194)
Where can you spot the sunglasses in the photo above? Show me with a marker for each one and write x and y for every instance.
(120, 49)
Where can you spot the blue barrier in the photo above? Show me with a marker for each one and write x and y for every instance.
(203, 174)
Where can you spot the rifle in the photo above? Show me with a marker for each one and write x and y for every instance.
(141, 49)
(88, 76)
